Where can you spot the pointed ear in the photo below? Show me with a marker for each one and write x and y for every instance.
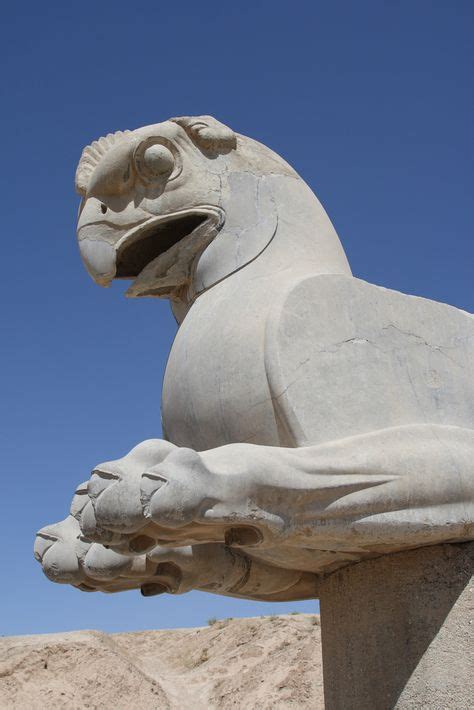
(208, 134)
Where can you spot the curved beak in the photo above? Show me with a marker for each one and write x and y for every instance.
(157, 249)
(98, 232)
(99, 258)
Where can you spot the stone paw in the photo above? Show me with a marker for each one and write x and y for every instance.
(189, 504)
(82, 509)
(206, 566)
(60, 549)
(159, 494)
(218, 569)
(67, 557)
(108, 506)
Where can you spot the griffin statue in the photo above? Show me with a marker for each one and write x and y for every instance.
(311, 420)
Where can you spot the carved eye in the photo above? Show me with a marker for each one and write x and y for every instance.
(156, 161)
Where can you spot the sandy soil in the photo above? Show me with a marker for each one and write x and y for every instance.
(265, 662)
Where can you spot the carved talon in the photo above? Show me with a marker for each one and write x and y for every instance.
(103, 564)
(82, 510)
(191, 504)
(173, 493)
(68, 558)
(130, 507)
(115, 500)
(108, 507)
(59, 549)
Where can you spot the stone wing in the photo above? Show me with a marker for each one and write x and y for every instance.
(344, 357)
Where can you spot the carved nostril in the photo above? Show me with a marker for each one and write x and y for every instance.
(103, 208)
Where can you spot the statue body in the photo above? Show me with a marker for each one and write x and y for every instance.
(349, 371)
(310, 419)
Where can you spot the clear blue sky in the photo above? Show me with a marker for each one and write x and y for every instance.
(371, 101)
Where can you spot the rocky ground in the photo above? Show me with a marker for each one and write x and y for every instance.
(265, 662)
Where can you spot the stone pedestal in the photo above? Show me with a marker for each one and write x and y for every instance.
(398, 631)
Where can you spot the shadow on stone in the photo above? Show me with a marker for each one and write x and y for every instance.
(395, 631)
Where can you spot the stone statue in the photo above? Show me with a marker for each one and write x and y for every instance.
(311, 420)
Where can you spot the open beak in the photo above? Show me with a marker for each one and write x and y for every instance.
(162, 247)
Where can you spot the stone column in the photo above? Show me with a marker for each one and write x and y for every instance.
(397, 631)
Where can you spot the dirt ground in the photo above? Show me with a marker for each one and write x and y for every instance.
(264, 662)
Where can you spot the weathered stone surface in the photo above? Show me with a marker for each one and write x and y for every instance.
(397, 631)
(314, 424)
(312, 420)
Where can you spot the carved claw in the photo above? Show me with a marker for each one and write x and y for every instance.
(82, 510)
(59, 548)
(161, 494)
(114, 489)
(218, 569)
(108, 508)
(173, 495)
(190, 503)
(68, 558)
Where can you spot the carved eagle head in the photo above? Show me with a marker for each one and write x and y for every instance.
(155, 202)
